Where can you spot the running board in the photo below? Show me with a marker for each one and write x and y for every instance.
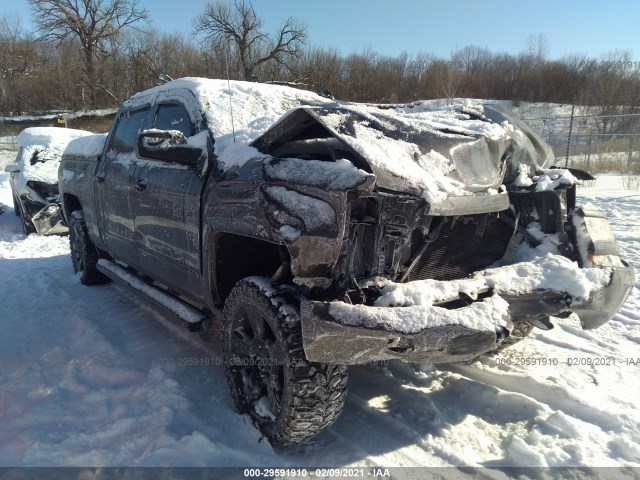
(165, 304)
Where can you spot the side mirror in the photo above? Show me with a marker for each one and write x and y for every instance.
(169, 146)
(12, 168)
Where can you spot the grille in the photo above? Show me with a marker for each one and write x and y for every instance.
(459, 251)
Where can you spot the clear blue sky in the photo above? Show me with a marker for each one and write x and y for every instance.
(390, 27)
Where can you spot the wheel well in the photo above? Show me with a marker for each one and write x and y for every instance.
(70, 204)
(238, 257)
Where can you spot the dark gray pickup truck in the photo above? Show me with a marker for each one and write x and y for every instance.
(323, 234)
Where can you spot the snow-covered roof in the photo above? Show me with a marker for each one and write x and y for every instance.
(47, 136)
(249, 108)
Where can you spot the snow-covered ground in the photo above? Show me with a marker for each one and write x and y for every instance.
(90, 377)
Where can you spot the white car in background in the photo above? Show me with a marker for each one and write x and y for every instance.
(34, 178)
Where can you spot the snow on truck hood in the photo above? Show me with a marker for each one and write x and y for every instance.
(464, 149)
(455, 151)
(88, 146)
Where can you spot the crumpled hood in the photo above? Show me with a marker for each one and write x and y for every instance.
(435, 154)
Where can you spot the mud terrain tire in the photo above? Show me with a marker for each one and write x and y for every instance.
(288, 397)
(84, 255)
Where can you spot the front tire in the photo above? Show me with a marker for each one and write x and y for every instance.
(288, 397)
(84, 254)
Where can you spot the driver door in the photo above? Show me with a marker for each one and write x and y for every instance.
(167, 210)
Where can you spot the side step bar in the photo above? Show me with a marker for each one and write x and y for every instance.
(167, 305)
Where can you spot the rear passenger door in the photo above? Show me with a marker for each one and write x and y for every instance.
(167, 209)
(114, 185)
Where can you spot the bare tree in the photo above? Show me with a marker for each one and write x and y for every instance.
(448, 76)
(472, 58)
(18, 58)
(15, 48)
(95, 23)
(360, 76)
(323, 68)
(538, 47)
(241, 29)
(145, 57)
(609, 89)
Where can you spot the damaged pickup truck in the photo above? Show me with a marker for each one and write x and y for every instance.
(323, 234)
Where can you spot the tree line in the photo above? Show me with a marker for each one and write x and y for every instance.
(95, 53)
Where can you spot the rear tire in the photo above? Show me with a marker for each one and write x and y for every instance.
(84, 254)
(288, 397)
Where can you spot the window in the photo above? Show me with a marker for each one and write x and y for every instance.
(173, 117)
(129, 126)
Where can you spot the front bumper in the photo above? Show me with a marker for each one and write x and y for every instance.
(604, 303)
(328, 340)
(336, 333)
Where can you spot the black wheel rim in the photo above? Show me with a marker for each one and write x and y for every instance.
(257, 364)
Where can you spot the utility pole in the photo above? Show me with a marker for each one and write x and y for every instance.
(589, 148)
(573, 109)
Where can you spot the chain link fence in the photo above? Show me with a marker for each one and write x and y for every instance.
(607, 145)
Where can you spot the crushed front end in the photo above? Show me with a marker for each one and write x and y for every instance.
(420, 286)
(443, 230)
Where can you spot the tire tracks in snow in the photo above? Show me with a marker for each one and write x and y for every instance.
(554, 396)
(393, 405)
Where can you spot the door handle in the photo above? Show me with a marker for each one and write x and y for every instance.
(141, 184)
(100, 177)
